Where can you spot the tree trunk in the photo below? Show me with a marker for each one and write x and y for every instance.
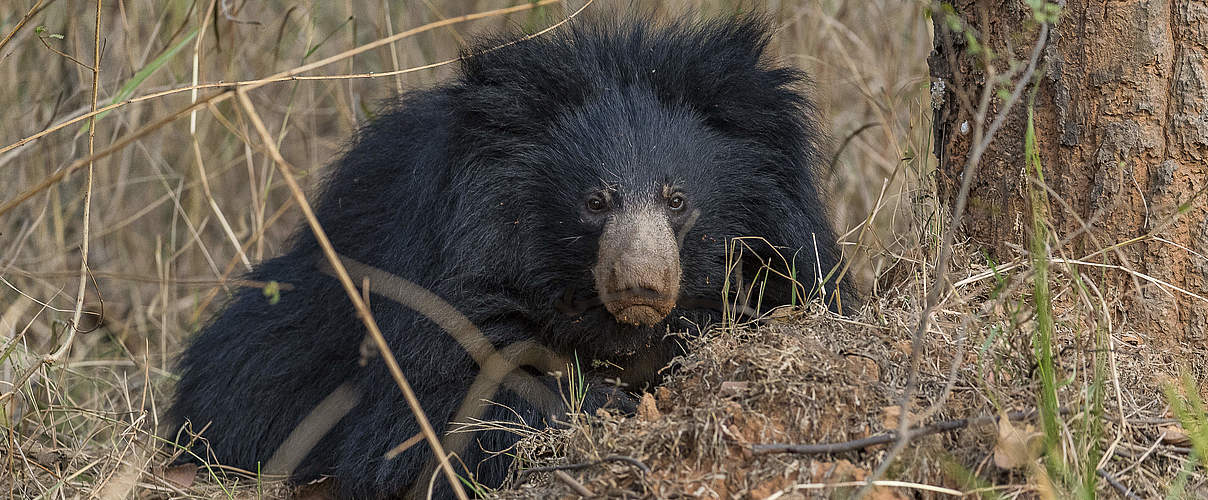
(1121, 118)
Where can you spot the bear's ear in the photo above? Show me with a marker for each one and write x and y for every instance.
(717, 68)
(517, 88)
(721, 70)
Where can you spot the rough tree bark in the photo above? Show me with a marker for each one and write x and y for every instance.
(1121, 115)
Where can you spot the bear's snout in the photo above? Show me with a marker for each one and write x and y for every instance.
(638, 271)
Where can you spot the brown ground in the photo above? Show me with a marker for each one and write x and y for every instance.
(811, 377)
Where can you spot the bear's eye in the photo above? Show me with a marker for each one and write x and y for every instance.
(597, 204)
(676, 203)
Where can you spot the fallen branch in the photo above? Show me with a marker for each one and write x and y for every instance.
(1123, 490)
(574, 485)
(889, 437)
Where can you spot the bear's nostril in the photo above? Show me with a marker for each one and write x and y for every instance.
(646, 293)
(644, 283)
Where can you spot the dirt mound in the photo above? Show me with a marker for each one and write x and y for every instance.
(795, 379)
(834, 383)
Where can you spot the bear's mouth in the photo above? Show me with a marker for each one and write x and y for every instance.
(634, 307)
(638, 307)
(638, 315)
(571, 305)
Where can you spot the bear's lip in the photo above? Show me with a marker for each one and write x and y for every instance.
(641, 315)
(639, 307)
(570, 304)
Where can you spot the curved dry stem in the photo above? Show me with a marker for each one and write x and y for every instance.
(351, 289)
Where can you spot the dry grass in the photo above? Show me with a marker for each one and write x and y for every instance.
(809, 377)
(185, 199)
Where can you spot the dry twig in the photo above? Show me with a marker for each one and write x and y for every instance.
(888, 437)
(983, 137)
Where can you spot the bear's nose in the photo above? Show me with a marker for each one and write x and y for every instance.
(643, 271)
(638, 271)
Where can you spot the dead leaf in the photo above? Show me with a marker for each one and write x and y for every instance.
(891, 417)
(663, 395)
(49, 458)
(837, 471)
(731, 388)
(1016, 446)
(1175, 435)
(863, 369)
(781, 313)
(735, 433)
(647, 409)
(181, 475)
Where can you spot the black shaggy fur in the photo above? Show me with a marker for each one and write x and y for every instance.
(475, 190)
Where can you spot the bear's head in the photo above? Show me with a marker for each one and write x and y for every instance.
(619, 162)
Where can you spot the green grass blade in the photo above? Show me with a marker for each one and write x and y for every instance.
(1042, 339)
(133, 83)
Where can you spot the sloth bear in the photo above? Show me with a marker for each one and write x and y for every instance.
(576, 194)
